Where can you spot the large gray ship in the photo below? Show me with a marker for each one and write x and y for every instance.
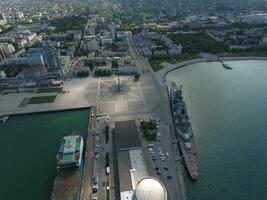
(184, 132)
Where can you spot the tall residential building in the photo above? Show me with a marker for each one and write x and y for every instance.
(35, 58)
(2, 19)
(113, 30)
(51, 54)
(8, 48)
(2, 54)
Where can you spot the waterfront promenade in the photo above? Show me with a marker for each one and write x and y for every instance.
(167, 67)
(77, 93)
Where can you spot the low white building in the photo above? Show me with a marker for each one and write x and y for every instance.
(91, 45)
(15, 61)
(8, 48)
(106, 41)
(3, 20)
(175, 50)
(2, 75)
(127, 70)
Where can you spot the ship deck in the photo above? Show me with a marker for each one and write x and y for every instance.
(189, 157)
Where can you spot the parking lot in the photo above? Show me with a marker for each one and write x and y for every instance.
(162, 158)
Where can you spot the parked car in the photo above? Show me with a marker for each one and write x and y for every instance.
(165, 167)
(96, 155)
(95, 183)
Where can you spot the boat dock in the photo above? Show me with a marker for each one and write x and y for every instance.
(67, 184)
(226, 66)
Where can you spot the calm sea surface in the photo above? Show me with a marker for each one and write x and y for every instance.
(228, 112)
(28, 146)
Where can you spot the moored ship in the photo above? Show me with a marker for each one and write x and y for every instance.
(69, 164)
(70, 151)
(184, 132)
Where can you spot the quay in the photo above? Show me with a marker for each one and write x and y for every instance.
(76, 182)
(86, 184)
(74, 95)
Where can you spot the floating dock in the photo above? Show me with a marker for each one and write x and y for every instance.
(67, 184)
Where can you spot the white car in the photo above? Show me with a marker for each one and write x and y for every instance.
(167, 154)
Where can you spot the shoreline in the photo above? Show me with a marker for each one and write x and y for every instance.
(47, 111)
(163, 72)
(161, 79)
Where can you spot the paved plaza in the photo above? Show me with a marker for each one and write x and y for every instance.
(87, 92)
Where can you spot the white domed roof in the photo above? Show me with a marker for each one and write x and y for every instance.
(150, 188)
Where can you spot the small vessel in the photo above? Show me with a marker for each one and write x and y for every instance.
(226, 66)
(4, 118)
(184, 131)
(70, 151)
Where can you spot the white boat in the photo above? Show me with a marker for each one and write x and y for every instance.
(70, 151)
(4, 118)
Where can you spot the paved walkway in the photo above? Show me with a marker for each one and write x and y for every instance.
(77, 93)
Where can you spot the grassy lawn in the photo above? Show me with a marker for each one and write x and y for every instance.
(69, 23)
(48, 90)
(42, 99)
(149, 130)
(156, 61)
(107, 191)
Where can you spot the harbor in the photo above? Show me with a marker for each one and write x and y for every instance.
(67, 183)
(29, 146)
(229, 133)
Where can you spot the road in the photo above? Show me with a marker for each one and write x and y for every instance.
(86, 188)
(175, 186)
(161, 110)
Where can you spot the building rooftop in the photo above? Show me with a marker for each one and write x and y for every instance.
(127, 135)
(150, 188)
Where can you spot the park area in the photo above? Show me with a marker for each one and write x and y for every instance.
(149, 130)
(42, 99)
